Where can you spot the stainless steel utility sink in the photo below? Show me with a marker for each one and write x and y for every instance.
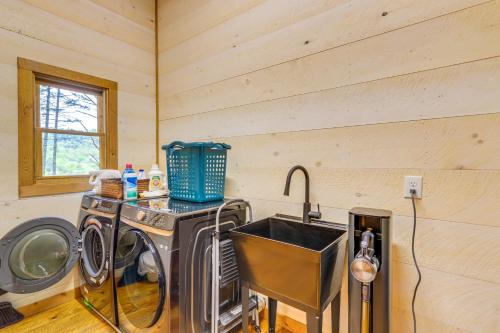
(297, 263)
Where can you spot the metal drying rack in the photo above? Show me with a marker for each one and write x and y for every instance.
(215, 268)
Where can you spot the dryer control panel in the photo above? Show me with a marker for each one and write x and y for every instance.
(100, 204)
(147, 216)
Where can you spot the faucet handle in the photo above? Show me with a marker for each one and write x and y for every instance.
(315, 215)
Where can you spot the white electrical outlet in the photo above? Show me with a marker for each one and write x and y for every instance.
(413, 183)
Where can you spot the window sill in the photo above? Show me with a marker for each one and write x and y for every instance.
(41, 189)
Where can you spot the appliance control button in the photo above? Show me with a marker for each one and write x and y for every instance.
(141, 215)
(94, 204)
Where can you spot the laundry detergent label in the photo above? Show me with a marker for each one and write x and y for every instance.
(155, 183)
(130, 188)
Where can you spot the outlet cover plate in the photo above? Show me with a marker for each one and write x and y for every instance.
(415, 183)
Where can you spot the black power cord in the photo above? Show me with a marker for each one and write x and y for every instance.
(413, 194)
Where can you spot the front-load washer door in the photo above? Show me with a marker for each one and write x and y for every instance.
(140, 280)
(37, 254)
(95, 261)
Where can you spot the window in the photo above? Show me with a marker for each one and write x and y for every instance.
(67, 128)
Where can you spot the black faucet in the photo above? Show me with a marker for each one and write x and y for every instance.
(307, 214)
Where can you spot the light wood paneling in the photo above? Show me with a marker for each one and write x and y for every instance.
(35, 23)
(182, 20)
(459, 143)
(440, 246)
(261, 18)
(402, 323)
(136, 130)
(15, 45)
(444, 41)
(467, 304)
(140, 12)
(451, 195)
(333, 27)
(444, 92)
(92, 16)
(18, 211)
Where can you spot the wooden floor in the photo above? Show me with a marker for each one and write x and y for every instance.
(75, 317)
(68, 317)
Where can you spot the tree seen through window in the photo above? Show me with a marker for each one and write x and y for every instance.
(64, 113)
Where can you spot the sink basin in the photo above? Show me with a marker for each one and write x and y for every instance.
(295, 263)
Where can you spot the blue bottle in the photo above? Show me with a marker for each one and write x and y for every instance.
(129, 178)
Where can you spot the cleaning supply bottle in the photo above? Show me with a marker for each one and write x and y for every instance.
(129, 178)
(141, 175)
(155, 178)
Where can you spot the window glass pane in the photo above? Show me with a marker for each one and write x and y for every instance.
(68, 109)
(67, 154)
(39, 255)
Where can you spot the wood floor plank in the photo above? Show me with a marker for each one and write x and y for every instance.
(68, 317)
(74, 317)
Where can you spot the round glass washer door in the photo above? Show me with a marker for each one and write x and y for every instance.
(37, 254)
(140, 286)
(128, 247)
(94, 261)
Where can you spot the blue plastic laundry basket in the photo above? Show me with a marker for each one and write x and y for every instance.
(196, 170)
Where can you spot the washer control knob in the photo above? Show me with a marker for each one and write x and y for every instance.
(141, 215)
(94, 204)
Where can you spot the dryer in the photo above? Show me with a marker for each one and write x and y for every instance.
(162, 264)
(40, 252)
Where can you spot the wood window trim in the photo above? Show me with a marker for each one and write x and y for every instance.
(28, 72)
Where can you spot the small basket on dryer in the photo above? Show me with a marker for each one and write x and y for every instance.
(112, 188)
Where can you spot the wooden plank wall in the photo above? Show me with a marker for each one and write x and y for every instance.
(362, 93)
(113, 39)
